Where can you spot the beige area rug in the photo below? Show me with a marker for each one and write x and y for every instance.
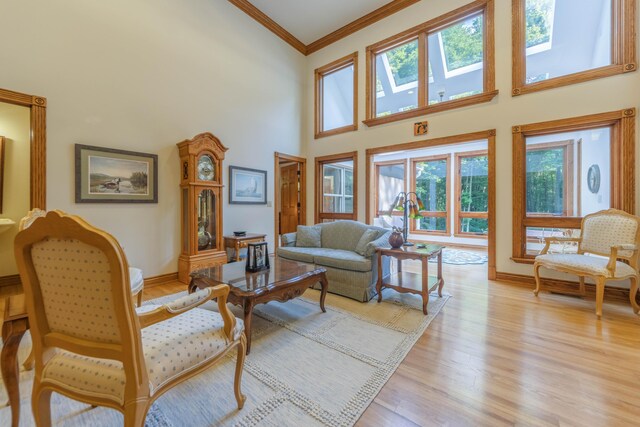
(306, 368)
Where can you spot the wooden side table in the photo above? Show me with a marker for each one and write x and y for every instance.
(238, 242)
(409, 282)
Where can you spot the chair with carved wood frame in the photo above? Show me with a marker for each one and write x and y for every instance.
(611, 235)
(90, 344)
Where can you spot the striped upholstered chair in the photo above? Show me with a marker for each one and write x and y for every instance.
(90, 344)
(607, 238)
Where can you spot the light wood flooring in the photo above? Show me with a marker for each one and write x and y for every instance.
(496, 355)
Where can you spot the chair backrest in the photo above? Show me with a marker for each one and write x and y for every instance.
(77, 290)
(604, 229)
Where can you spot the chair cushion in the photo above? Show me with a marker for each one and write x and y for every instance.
(136, 280)
(171, 348)
(308, 236)
(588, 264)
(297, 254)
(345, 260)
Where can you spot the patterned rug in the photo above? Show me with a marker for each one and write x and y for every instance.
(458, 257)
(306, 368)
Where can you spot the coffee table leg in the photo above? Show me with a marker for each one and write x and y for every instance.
(425, 284)
(440, 279)
(379, 281)
(248, 313)
(325, 287)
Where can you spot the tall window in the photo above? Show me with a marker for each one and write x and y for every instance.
(336, 97)
(566, 169)
(336, 185)
(441, 64)
(561, 42)
(389, 182)
(472, 202)
(431, 184)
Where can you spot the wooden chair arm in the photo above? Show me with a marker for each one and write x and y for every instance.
(548, 240)
(613, 257)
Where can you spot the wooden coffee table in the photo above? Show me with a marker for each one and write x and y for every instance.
(409, 282)
(285, 280)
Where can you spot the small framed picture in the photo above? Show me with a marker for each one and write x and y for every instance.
(107, 175)
(257, 257)
(247, 186)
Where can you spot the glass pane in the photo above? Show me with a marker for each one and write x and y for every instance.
(337, 187)
(432, 224)
(474, 183)
(397, 79)
(456, 61)
(474, 225)
(555, 44)
(431, 184)
(206, 220)
(536, 235)
(337, 99)
(569, 173)
(390, 183)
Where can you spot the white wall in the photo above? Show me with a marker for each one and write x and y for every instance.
(142, 76)
(501, 113)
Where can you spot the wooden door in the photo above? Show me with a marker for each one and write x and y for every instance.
(289, 198)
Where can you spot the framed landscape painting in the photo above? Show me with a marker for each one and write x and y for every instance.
(107, 175)
(247, 186)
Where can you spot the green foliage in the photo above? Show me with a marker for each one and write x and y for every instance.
(403, 61)
(138, 179)
(538, 28)
(463, 44)
(431, 184)
(545, 181)
(475, 225)
(474, 180)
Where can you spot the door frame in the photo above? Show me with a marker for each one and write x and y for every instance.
(282, 158)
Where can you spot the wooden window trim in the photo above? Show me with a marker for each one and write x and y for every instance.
(421, 32)
(319, 163)
(623, 50)
(437, 214)
(320, 73)
(376, 166)
(458, 213)
(622, 123)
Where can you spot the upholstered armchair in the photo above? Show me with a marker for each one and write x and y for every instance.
(607, 238)
(90, 344)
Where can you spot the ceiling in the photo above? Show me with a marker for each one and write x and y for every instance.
(309, 20)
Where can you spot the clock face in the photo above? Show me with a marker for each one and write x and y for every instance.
(593, 178)
(206, 168)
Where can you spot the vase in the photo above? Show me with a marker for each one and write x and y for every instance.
(396, 240)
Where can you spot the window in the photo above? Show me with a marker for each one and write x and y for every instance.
(390, 181)
(431, 184)
(472, 201)
(439, 65)
(566, 169)
(336, 106)
(336, 184)
(553, 49)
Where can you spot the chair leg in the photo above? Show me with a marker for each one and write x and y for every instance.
(536, 274)
(29, 362)
(41, 406)
(600, 281)
(136, 413)
(632, 294)
(242, 350)
(140, 298)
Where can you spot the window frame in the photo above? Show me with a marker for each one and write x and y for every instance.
(319, 74)
(376, 168)
(623, 50)
(413, 228)
(458, 213)
(421, 33)
(622, 146)
(320, 216)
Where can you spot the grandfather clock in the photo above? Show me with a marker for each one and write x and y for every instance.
(201, 204)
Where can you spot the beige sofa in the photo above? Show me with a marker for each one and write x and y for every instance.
(342, 248)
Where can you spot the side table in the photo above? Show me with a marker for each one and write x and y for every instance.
(410, 282)
(238, 242)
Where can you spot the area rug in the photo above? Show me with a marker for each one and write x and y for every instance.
(306, 368)
(458, 257)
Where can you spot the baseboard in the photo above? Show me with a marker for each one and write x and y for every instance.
(565, 287)
(162, 279)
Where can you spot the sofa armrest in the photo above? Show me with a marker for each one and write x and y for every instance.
(380, 242)
(288, 239)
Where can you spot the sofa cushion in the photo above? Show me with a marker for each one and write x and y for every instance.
(342, 234)
(297, 254)
(346, 260)
(308, 236)
(369, 236)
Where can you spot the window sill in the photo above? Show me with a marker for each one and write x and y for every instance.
(523, 260)
(336, 131)
(471, 235)
(435, 108)
(431, 233)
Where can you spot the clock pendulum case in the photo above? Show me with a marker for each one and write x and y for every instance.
(201, 204)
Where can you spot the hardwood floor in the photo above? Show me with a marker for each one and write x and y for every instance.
(496, 355)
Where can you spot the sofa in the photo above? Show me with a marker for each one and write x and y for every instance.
(346, 249)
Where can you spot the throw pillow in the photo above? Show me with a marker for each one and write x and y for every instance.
(308, 236)
(368, 237)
